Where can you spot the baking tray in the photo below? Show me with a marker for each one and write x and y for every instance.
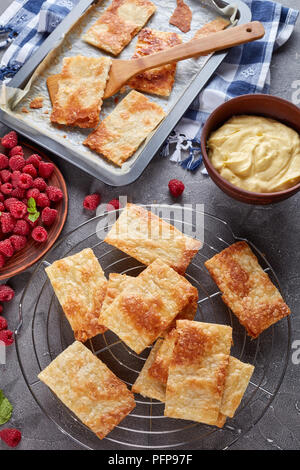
(96, 166)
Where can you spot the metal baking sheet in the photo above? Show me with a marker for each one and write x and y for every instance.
(65, 41)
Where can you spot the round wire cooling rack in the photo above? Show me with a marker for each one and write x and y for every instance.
(43, 332)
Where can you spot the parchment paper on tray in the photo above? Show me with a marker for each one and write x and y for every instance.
(14, 101)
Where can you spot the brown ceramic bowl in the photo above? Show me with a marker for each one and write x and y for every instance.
(33, 251)
(260, 105)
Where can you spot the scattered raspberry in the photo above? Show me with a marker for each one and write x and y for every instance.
(17, 150)
(42, 200)
(18, 193)
(25, 181)
(114, 204)
(48, 216)
(5, 176)
(39, 234)
(15, 178)
(40, 184)
(176, 187)
(7, 222)
(6, 293)
(34, 159)
(6, 248)
(92, 201)
(54, 193)
(9, 201)
(18, 242)
(2, 260)
(46, 169)
(3, 161)
(21, 228)
(11, 436)
(6, 188)
(17, 162)
(30, 170)
(10, 140)
(17, 209)
(3, 324)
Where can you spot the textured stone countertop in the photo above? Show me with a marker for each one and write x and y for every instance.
(274, 229)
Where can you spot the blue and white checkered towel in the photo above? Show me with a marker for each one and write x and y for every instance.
(246, 69)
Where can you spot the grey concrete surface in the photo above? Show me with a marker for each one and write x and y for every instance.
(274, 229)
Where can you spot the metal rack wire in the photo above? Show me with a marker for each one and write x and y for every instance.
(43, 332)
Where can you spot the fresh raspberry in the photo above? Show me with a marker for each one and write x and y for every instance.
(21, 228)
(9, 201)
(32, 224)
(18, 193)
(176, 187)
(54, 193)
(39, 234)
(2, 207)
(6, 248)
(7, 222)
(34, 159)
(48, 216)
(10, 140)
(40, 184)
(7, 337)
(17, 162)
(17, 150)
(3, 324)
(6, 293)
(92, 201)
(5, 176)
(42, 200)
(11, 436)
(33, 192)
(3, 161)
(18, 242)
(15, 178)
(114, 204)
(25, 181)
(6, 188)
(46, 169)
(2, 260)
(18, 209)
(30, 170)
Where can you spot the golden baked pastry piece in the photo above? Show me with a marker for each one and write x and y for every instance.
(80, 286)
(159, 80)
(197, 371)
(147, 305)
(122, 132)
(146, 237)
(88, 388)
(120, 22)
(147, 385)
(159, 369)
(80, 88)
(212, 27)
(246, 288)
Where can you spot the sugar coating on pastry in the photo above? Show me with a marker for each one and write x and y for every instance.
(147, 305)
(159, 80)
(145, 384)
(80, 88)
(146, 237)
(197, 371)
(159, 369)
(88, 388)
(119, 23)
(80, 286)
(246, 288)
(115, 285)
(120, 134)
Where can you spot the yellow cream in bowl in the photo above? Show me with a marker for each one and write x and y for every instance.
(256, 154)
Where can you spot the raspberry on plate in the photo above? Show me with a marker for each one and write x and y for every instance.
(18, 193)
(16, 162)
(32, 192)
(54, 194)
(5, 176)
(3, 161)
(21, 227)
(39, 234)
(17, 209)
(48, 216)
(18, 242)
(15, 178)
(25, 181)
(6, 293)
(176, 187)
(7, 222)
(3, 323)
(40, 184)
(6, 188)
(42, 200)
(6, 248)
(92, 201)
(10, 140)
(46, 169)
(34, 159)
(30, 169)
(11, 436)
(17, 150)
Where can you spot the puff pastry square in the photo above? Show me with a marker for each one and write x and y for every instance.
(120, 22)
(145, 384)
(122, 132)
(147, 305)
(246, 288)
(159, 369)
(197, 371)
(80, 88)
(146, 237)
(160, 80)
(115, 285)
(80, 286)
(212, 27)
(88, 388)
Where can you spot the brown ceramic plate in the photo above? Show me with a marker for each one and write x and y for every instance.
(260, 105)
(33, 251)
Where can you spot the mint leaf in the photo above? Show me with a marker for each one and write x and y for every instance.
(6, 409)
(31, 204)
(34, 216)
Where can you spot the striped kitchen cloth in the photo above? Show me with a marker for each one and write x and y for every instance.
(23, 28)
(246, 69)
